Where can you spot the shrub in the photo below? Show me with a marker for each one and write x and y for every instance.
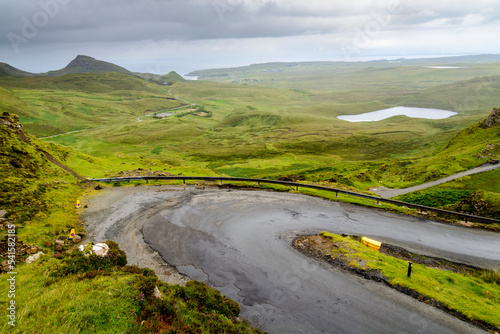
(78, 262)
(141, 271)
(209, 300)
(436, 198)
(491, 276)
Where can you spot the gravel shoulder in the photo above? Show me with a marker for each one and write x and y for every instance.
(119, 214)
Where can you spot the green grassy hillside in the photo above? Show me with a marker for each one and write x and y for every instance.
(172, 77)
(38, 195)
(9, 70)
(4, 73)
(53, 105)
(476, 194)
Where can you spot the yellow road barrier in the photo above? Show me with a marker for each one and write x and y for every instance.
(373, 244)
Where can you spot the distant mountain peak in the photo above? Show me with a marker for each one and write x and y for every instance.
(86, 64)
(82, 58)
(82, 61)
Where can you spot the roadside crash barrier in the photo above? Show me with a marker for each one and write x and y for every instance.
(221, 179)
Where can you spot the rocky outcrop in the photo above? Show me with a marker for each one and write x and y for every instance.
(12, 123)
(19, 252)
(22, 250)
(493, 119)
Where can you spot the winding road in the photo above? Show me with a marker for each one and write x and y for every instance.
(239, 242)
(389, 193)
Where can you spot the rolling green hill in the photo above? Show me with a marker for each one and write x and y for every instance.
(53, 105)
(172, 77)
(277, 68)
(480, 193)
(4, 73)
(8, 70)
(364, 79)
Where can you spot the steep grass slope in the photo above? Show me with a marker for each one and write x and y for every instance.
(69, 292)
(37, 191)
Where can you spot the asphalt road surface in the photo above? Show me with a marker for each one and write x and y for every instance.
(239, 243)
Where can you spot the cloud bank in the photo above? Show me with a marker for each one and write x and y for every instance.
(145, 35)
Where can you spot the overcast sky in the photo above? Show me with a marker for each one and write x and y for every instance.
(158, 36)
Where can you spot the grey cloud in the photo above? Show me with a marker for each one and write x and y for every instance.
(193, 25)
(122, 20)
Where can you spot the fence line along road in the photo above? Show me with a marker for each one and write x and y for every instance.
(465, 217)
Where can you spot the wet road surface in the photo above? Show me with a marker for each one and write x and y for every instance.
(239, 242)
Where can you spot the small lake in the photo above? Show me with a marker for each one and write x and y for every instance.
(397, 111)
(444, 67)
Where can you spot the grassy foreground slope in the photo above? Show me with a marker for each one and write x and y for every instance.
(72, 293)
(68, 292)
